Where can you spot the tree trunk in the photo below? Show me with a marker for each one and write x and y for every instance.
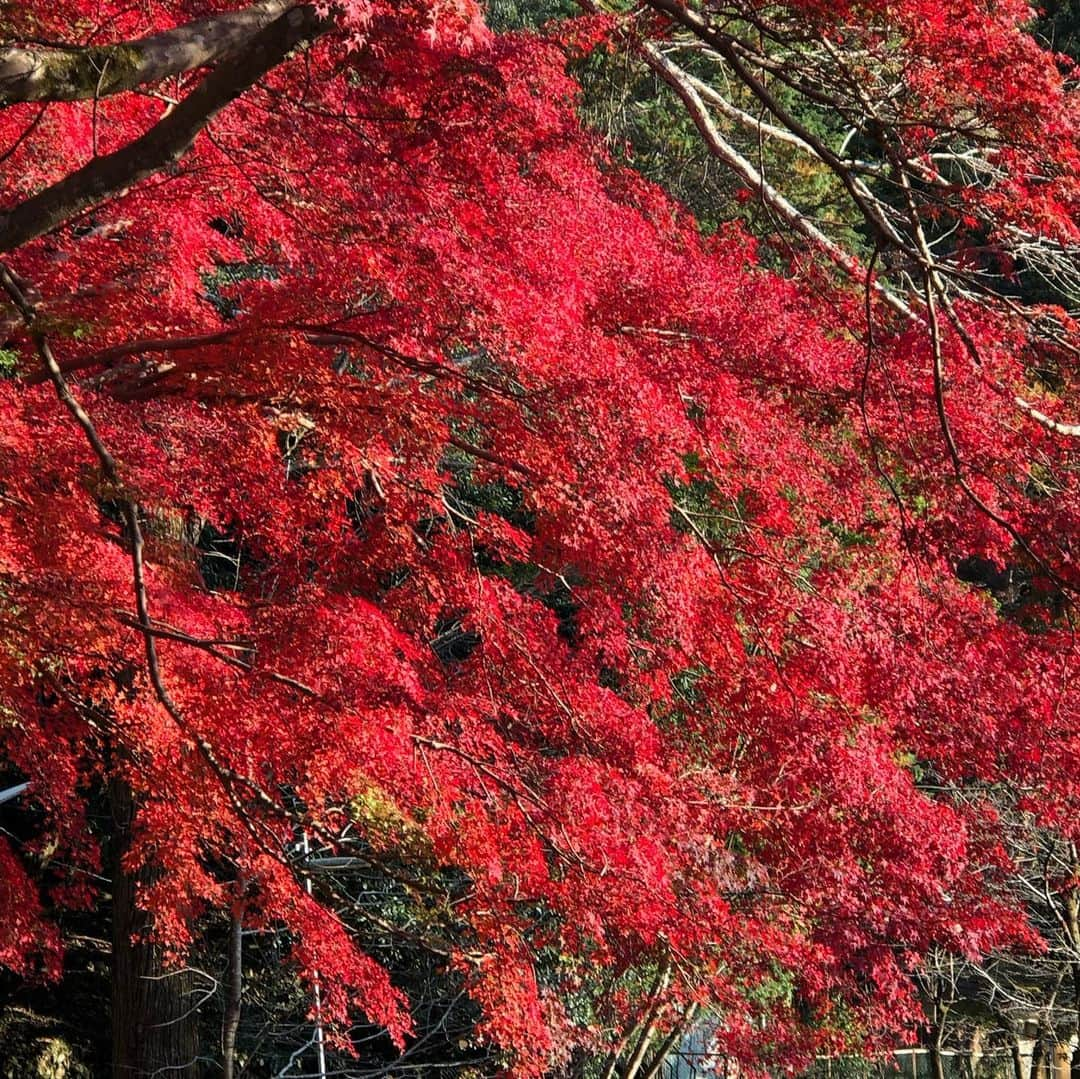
(1074, 923)
(1072, 911)
(154, 1013)
(937, 1059)
(939, 1015)
(1038, 1053)
(234, 994)
(1017, 1058)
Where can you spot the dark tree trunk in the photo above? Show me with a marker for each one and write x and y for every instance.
(937, 1058)
(234, 994)
(154, 1015)
(1074, 925)
(1038, 1055)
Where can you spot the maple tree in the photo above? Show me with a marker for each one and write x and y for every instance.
(600, 593)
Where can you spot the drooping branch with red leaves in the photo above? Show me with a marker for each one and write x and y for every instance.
(445, 560)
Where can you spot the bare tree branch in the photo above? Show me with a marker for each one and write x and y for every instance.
(1056, 426)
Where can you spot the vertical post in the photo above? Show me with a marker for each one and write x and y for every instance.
(320, 1040)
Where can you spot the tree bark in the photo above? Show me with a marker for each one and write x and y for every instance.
(1072, 914)
(234, 985)
(937, 1058)
(154, 1015)
(1038, 1053)
(168, 140)
(1017, 1058)
(95, 71)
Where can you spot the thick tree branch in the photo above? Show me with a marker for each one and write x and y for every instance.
(134, 348)
(168, 140)
(72, 74)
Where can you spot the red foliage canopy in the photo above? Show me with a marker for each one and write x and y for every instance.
(618, 572)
